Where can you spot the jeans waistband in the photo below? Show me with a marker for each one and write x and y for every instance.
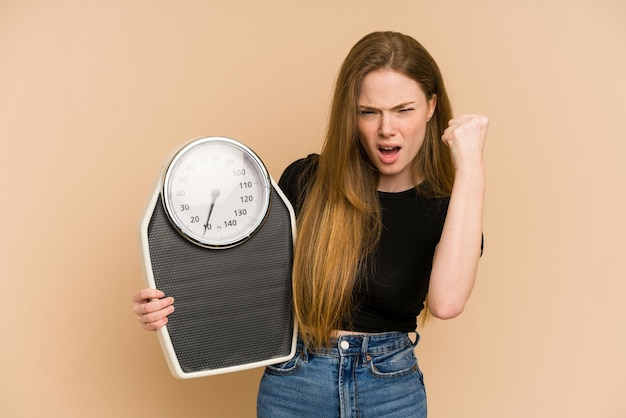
(361, 344)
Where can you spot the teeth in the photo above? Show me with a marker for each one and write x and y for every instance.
(387, 148)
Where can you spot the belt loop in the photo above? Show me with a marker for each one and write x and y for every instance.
(304, 353)
(302, 350)
(364, 346)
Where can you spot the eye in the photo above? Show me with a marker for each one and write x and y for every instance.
(365, 112)
(407, 110)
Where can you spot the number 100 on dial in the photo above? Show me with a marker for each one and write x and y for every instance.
(216, 192)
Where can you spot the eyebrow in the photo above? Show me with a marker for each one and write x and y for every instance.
(396, 107)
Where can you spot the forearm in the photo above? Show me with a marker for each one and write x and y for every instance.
(455, 263)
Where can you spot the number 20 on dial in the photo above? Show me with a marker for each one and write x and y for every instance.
(216, 192)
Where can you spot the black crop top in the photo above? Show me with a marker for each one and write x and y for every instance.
(392, 294)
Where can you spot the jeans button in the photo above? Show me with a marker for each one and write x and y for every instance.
(344, 345)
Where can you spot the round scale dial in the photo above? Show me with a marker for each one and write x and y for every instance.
(216, 192)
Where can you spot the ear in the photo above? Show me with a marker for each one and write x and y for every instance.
(432, 104)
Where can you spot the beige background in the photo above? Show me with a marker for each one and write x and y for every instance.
(94, 95)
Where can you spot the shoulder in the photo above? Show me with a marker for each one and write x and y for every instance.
(296, 177)
(297, 168)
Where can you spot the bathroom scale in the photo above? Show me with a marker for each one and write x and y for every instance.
(218, 236)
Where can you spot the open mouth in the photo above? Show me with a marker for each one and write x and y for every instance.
(388, 150)
(388, 155)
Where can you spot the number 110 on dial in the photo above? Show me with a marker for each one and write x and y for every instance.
(216, 192)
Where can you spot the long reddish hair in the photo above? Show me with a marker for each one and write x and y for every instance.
(339, 224)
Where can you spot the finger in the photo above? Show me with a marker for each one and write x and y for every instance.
(474, 120)
(147, 294)
(448, 136)
(143, 307)
(155, 316)
(465, 125)
(153, 326)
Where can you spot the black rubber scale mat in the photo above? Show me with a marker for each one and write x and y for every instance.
(233, 306)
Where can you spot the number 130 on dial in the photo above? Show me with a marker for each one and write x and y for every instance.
(216, 192)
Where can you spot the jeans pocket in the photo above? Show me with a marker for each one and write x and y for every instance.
(394, 364)
(287, 367)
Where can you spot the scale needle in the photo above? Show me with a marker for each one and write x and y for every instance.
(214, 195)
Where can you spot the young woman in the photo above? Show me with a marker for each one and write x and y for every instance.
(389, 219)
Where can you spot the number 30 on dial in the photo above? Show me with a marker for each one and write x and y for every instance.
(216, 192)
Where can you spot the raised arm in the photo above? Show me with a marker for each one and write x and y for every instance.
(455, 263)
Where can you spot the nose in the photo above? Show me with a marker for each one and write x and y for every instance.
(386, 127)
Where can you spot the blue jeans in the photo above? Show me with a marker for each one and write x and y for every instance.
(369, 375)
